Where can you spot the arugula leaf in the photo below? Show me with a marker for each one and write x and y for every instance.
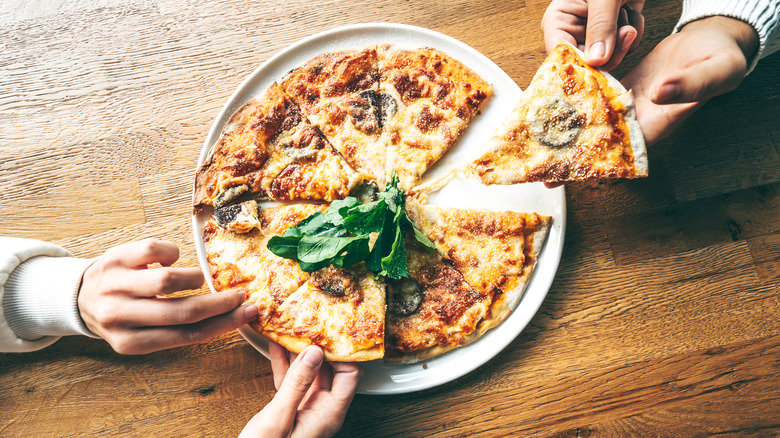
(394, 264)
(366, 218)
(340, 236)
(382, 246)
(284, 246)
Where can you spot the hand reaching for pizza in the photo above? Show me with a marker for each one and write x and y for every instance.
(605, 29)
(706, 58)
(312, 399)
(121, 300)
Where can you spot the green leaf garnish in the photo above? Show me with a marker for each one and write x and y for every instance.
(340, 235)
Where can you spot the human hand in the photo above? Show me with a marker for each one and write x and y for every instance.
(706, 58)
(312, 398)
(605, 29)
(120, 300)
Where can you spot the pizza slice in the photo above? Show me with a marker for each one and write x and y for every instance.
(340, 310)
(573, 122)
(433, 310)
(495, 251)
(430, 98)
(339, 94)
(268, 149)
(236, 240)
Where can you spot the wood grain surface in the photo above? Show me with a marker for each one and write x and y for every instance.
(663, 319)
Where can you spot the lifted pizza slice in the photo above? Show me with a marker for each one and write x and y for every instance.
(495, 251)
(573, 122)
(430, 98)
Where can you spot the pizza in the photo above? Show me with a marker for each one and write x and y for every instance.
(352, 133)
(495, 253)
(573, 122)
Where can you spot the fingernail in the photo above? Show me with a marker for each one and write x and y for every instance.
(251, 311)
(241, 296)
(596, 51)
(667, 92)
(312, 357)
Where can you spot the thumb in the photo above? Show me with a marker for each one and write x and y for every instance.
(714, 75)
(601, 31)
(296, 384)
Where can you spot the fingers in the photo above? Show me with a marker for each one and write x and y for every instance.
(346, 377)
(564, 21)
(554, 36)
(151, 312)
(601, 33)
(143, 253)
(626, 36)
(152, 282)
(637, 21)
(147, 340)
(716, 75)
(300, 376)
(280, 363)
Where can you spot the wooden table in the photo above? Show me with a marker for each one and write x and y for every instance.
(664, 317)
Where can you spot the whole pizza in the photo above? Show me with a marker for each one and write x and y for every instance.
(316, 207)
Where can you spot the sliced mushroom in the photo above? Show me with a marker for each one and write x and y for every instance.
(239, 218)
(555, 122)
(333, 281)
(229, 194)
(404, 296)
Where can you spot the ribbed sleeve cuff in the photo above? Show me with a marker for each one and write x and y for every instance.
(763, 15)
(41, 296)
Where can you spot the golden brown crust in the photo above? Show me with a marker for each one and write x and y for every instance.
(573, 122)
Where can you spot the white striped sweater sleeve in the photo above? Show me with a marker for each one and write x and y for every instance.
(763, 15)
(39, 284)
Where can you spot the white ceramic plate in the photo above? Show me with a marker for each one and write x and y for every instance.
(385, 378)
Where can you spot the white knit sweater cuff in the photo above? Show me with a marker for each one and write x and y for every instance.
(763, 15)
(41, 298)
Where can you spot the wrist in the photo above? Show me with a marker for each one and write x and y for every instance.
(744, 35)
